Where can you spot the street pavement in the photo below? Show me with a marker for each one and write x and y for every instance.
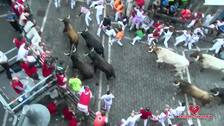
(139, 82)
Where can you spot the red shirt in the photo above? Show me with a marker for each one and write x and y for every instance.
(60, 79)
(46, 69)
(67, 114)
(85, 98)
(16, 83)
(145, 114)
(29, 70)
(73, 122)
(18, 43)
(140, 3)
(99, 119)
(17, 8)
(52, 108)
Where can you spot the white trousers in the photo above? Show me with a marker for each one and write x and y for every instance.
(110, 33)
(73, 2)
(117, 41)
(93, 4)
(57, 3)
(88, 2)
(98, 18)
(133, 24)
(192, 23)
(145, 122)
(191, 43)
(122, 25)
(117, 15)
(167, 38)
(87, 18)
(107, 106)
(149, 40)
(179, 39)
(135, 39)
(216, 47)
(112, 4)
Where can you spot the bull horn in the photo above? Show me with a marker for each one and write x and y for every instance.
(153, 43)
(86, 29)
(60, 19)
(176, 84)
(85, 54)
(216, 94)
(198, 48)
(150, 50)
(92, 50)
(68, 17)
(197, 58)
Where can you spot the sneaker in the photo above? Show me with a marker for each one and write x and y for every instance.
(132, 43)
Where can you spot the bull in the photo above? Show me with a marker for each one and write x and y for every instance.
(71, 33)
(101, 64)
(167, 56)
(218, 92)
(92, 42)
(85, 69)
(192, 90)
(208, 61)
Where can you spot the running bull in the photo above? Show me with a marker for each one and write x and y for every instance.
(208, 62)
(71, 33)
(192, 90)
(85, 69)
(167, 56)
(92, 42)
(101, 64)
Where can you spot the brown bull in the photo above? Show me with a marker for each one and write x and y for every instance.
(71, 33)
(194, 91)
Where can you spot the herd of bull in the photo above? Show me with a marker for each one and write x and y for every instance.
(164, 55)
(180, 63)
(96, 53)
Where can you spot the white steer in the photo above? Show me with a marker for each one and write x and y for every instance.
(167, 56)
(208, 61)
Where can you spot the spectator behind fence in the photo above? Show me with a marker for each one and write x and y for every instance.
(17, 85)
(5, 65)
(100, 119)
(19, 40)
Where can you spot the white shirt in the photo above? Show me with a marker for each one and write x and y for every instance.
(107, 98)
(3, 57)
(162, 117)
(198, 30)
(220, 41)
(131, 120)
(178, 111)
(22, 52)
(99, 9)
(208, 19)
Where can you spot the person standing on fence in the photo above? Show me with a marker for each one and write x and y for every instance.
(17, 85)
(18, 41)
(5, 65)
(75, 83)
(84, 100)
(107, 99)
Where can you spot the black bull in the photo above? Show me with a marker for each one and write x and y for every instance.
(101, 64)
(85, 69)
(92, 42)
